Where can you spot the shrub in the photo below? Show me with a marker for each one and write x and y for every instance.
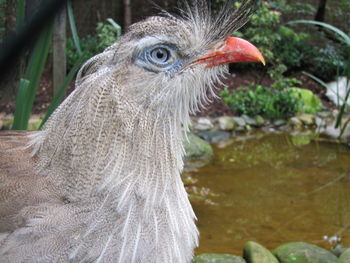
(91, 45)
(277, 102)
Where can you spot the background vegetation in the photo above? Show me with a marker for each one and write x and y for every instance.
(290, 50)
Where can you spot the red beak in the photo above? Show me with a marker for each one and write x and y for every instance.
(234, 50)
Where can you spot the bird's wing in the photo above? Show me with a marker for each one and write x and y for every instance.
(20, 185)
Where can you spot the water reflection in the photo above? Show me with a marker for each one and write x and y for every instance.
(273, 188)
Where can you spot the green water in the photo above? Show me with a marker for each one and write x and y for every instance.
(272, 188)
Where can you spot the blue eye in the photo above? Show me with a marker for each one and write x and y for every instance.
(158, 58)
(159, 55)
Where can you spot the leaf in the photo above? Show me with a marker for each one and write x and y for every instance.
(117, 27)
(25, 97)
(344, 36)
(73, 27)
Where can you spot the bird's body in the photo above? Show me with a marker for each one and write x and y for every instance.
(101, 182)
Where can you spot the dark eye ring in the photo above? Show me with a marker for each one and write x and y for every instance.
(160, 55)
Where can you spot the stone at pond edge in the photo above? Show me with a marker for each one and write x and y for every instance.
(260, 121)
(345, 256)
(240, 121)
(226, 123)
(295, 122)
(279, 122)
(218, 258)
(248, 120)
(214, 136)
(256, 253)
(301, 252)
(197, 148)
(307, 119)
(203, 124)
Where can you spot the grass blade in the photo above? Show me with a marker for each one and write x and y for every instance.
(20, 16)
(344, 36)
(117, 27)
(18, 123)
(25, 98)
(73, 27)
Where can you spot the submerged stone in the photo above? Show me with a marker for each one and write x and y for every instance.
(256, 253)
(301, 252)
(197, 148)
(218, 258)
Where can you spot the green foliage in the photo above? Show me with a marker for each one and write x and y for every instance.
(281, 46)
(31, 81)
(345, 71)
(327, 61)
(106, 35)
(277, 102)
(310, 102)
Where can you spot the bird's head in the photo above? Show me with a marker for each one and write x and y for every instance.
(166, 64)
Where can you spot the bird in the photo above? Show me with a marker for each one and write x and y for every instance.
(101, 181)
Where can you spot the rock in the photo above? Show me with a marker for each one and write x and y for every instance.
(345, 256)
(196, 148)
(260, 121)
(256, 253)
(320, 122)
(339, 249)
(307, 119)
(203, 124)
(218, 258)
(240, 121)
(301, 252)
(214, 136)
(248, 120)
(295, 123)
(337, 88)
(279, 123)
(324, 114)
(226, 123)
(332, 132)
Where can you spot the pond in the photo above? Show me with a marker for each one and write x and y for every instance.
(272, 188)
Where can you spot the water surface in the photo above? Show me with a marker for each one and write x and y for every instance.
(273, 188)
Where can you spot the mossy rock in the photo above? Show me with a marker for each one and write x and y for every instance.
(197, 148)
(256, 253)
(218, 258)
(311, 103)
(345, 256)
(301, 252)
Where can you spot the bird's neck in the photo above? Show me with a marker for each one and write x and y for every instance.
(132, 160)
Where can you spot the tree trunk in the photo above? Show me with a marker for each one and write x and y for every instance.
(59, 47)
(321, 11)
(9, 84)
(127, 13)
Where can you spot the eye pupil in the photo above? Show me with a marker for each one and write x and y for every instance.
(160, 55)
